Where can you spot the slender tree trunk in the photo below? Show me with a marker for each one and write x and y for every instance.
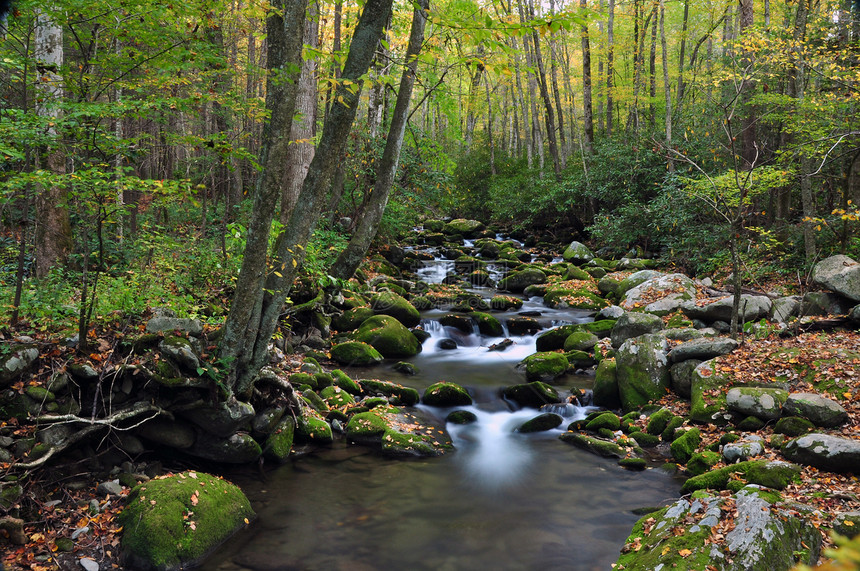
(53, 227)
(667, 87)
(610, 65)
(300, 151)
(600, 96)
(633, 113)
(553, 57)
(490, 140)
(472, 101)
(350, 258)
(549, 114)
(652, 71)
(749, 152)
(587, 113)
(679, 94)
(525, 109)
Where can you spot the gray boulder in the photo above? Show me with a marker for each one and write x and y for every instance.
(703, 349)
(819, 410)
(784, 307)
(642, 370)
(854, 314)
(671, 289)
(518, 281)
(823, 303)
(720, 309)
(611, 312)
(840, 274)
(19, 360)
(577, 253)
(239, 448)
(825, 452)
(762, 403)
(223, 419)
(682, 377)
(635, 279)
(743, 449)
(632, 325)
(162, 323)
(180, 351)
(174, 434)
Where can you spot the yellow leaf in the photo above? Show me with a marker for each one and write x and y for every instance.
(665, 550)
(295, 263)
(246, 521)
(685, 553)
(849, 523)
(278, 274)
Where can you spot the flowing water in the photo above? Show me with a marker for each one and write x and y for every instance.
(501, 500)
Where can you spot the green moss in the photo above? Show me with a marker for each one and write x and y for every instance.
(645, 440)
(396, 394)
(541, 423)
(388, 336)
(701, 462)
(175, 522)
(596, 445)
(635, 464)
(668, 434)
(533, 395)
(336, 397)
(605, 420)
(658, 421)
(601, 327)
(280, 441)
(553, 339)
(312, 427)
(299, 379)
(750, 424)
(365, 425)
(685, 445)
(545, 366)
(343, 381)
(461, 417)
(793, 426)
(487, 324)
(446, 394)
(355, 353)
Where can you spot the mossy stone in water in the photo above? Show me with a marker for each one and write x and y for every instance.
(351, 319)
(635, 464)
(659, 420)
(645, 440)
(606, 385)
(505, 302)
(533, 395)
(668, 434)
(388, 336)
(406, 368)
(174, 522)
(446, 394)
(396, 394)
(596, 445)
(554, 338)
(336, 397)
(280, 441)
(605, 420)
(343, 381)
(487, 324)
(580, 341)
(461, 417)
(545, 366)
(541, 423)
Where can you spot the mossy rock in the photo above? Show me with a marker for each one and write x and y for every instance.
(541, 423)
(605, 448)
(336, 397)
(605, 389)
(519, 280)
(397, 433)
(658, 421)
(645, 440)
(554, 338)
(280, 441)
(312, 427)
(668, 434)
(351, 319)
(356, 354)
(606, 420)
(750, 424)
(406, 368)
(461, 417)
(701, 462)
(776, 475)
(488, 324)
(343, 381)
(580, 341)
(793, 426)
(576, 273)
(545, 366)
(533, 395)
(175, 522)
(505, 302)
(396, 394)
(388, 336)
(684, 446)
(444, 394)
(601, 327)
(394, 305)
(634, 464)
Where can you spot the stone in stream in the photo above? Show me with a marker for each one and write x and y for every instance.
(660, 295)
(540, 423)
(389, 303)
(355, 354)
(505, 302)
(445, 394)
(642, 370)
(388, 336)
(518, 281)
(523, 325)
(632, 325)
(398, 433)
(577, 253)
(446, 344)
(532, 395)
(501, 345)
(545, 366)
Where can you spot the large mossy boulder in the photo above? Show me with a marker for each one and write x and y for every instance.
(840, 274)
(463, 227)
(642, 370)
(660, 295)
(605, 390)
(540, 423)
(763, 535)
(355, 354)
(520, 280)
(707, 397)
(545, 366)
(703, 349)
(554, 338)
(390, 303)
(488, 325)
(633, 324)
(446, 394)
(577, 253)
(684, 446)
(351, 319)
(388, 336)
(174, 522)
(395, 394)
(396, 433)
(599, 446)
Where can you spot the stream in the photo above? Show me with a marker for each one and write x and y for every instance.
(500, 500)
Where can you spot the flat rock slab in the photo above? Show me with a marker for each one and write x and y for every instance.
(703, 349)
(825, 451)
(720, 309)
(762, 403)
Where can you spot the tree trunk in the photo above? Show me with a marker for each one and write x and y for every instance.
(679, 94)
(749, 151)
(667, 87)
(490, 140)
(252, 322)
(549, 114)
(610, 64)
(53, 227)
(587, 113)
(472, 101)
(350, 258)
(300, 151)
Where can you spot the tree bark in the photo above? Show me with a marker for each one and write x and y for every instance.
(300, 150)
(247, 335)
(53, 226)
(587, 113)
(549, 114)
(610, 64)
(350, 258)
(667, 88)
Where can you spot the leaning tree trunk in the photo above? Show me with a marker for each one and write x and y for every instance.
(247, 335)
(349, 259)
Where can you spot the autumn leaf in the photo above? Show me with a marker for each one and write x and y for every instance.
(685, 553)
